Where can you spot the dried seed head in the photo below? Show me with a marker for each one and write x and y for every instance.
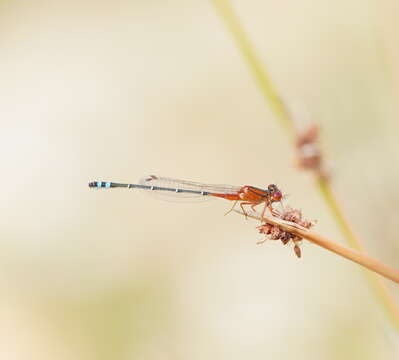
(297, 250)
(274, 232)
(295, 216)
(309, 156)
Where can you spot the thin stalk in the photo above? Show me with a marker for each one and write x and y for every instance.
(279, 109)
(384, 296)
(348, 253)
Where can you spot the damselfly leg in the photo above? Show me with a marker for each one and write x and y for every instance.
(232, 208)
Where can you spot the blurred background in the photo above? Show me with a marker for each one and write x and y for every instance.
(100, 90)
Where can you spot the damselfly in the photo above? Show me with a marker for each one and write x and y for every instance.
(245, 195)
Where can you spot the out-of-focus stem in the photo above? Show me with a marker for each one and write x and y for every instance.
(384, 296)
(279, 109)
(258, 70)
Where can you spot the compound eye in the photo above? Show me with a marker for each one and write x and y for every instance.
(271, 188)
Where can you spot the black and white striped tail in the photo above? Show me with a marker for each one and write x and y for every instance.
(107, 185)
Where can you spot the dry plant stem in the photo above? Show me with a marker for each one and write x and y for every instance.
(350, 254)
(384, 295)
(278, 107)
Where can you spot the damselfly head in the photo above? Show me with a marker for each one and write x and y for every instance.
(275, 192)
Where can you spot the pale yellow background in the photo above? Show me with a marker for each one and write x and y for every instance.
(100, 90)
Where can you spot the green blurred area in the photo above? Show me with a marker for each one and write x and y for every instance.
(114, 91)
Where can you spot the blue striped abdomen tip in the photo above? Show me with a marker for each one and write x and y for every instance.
(93, 184)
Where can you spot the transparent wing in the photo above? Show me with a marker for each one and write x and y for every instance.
(170, 183)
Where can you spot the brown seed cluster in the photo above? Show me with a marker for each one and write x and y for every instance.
(309, 156)
(274, 232)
